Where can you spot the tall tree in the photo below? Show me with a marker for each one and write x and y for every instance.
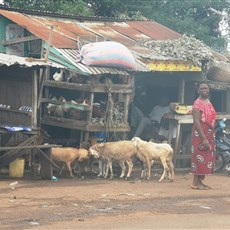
(204, 19)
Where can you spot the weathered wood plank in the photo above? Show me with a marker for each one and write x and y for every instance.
(20, 40)
(46, 167)
(29, 147)
(114, 88)
(82, 125)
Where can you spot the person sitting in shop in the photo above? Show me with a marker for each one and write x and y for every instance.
(154, 118)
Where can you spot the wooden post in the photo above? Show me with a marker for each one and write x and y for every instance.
(227, 99)
(34, 118)
(41, 85)
(110, 109)
(46, 91)
(181, 91)
(49, 41)
(89, 117)
(46, 167)
(90, 113)
(126, 108)
(178, 142)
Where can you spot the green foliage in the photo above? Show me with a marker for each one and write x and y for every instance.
(192, 17)
(75, 7)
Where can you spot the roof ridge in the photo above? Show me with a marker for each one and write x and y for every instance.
(70, 16)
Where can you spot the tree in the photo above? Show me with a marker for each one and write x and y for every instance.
(114, 8)
(203, 19)
(75, 7)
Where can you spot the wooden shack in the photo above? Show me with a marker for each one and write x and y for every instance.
(79, 106)
(95, 100)
(179, 84)
(20, 87)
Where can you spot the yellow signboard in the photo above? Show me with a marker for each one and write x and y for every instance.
(160, 65)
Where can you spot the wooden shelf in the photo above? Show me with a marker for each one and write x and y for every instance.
(79, 107)
(97, 88)
(187, 119)
(82, 125)
(15, 111)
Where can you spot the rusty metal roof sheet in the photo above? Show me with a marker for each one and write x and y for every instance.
(70, 34)
(101, 29)
(70, 30)
(125, 29)
(9, 60)
(154, 30)
(40, 30)
(108, 33)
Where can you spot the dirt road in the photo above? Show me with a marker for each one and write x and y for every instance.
(92, 203)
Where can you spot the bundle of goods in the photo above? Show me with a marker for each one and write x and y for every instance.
(178, 108)
(219, 71)
(107, 54)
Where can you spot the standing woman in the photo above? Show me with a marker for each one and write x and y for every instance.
(203, 137)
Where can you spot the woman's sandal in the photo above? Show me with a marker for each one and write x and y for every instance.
(199, 187)
(206, 186)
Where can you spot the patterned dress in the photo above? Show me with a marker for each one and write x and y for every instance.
(203, 160)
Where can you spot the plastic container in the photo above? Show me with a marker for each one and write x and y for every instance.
(16, 168)
(101, 136)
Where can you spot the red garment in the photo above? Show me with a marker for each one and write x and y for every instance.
(203, 160)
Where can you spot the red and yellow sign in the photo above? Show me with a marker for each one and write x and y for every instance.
(160, 65)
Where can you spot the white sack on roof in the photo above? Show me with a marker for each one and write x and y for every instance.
(107, 54)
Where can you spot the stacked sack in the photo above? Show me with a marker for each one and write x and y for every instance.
(107, 54)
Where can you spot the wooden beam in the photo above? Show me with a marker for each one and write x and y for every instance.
(97, 88)
(181, 91)
(91, 99)
(41, 85)
(49, 41)
(126, 108)
(29, 147)
(20, 40)
(34, 117)
(49, 159)
(46, 166)
(81, 125)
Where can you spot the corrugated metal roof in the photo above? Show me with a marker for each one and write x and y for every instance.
(126, 32)
(125, 29)
(40, 30)
(72, 34)
(101, 29)
(154, 30)
(9, 60)
(107, 33)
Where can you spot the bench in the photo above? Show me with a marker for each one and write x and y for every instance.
(45, 157)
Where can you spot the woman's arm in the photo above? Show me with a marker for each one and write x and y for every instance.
(196, 119)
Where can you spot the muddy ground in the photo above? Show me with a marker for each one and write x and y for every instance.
(91, 203)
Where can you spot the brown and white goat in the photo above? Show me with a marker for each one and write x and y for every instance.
(148, 151)
(69, 155)
(122, 151)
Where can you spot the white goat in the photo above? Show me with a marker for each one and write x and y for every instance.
(92, 140)
(122, 151)
(144, 169)
(69, 155)
(148, 151)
